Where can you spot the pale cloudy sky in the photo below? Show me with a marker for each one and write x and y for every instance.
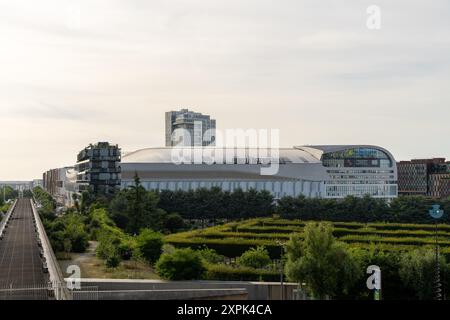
(75, 72)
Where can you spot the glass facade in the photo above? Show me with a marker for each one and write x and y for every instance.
(278, 188)
(358, 172)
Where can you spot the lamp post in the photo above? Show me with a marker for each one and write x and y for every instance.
(436, 213)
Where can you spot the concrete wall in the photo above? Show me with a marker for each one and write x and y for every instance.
(168, 290)
(187, 294)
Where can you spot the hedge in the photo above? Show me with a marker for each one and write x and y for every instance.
(350, 225)
(229, 273)
(231, 247)
(235, 238)
(337, 232)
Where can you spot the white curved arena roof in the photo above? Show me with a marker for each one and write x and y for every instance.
(164, 155)
(297, 154)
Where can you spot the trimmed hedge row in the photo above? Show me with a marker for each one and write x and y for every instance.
(228, 273)
(392, 240)
(232, 247)
(339, 232)
(235, 238)
(349, 225)
(244, 235)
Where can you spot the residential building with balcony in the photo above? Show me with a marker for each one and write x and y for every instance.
(98, 168)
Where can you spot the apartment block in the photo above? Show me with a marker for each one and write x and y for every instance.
(98, 168)
(188, 128)
(426, 177)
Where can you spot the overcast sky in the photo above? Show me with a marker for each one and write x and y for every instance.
(76, 72)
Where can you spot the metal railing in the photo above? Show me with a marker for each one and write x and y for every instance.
(56, 275)
(5, 221)
(42, 291)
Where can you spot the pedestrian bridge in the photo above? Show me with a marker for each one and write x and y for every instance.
(28, 267)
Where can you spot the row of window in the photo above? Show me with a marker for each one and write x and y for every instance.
(384, 191)
(362, 177)
(361, 171)
(361, 182)
(277, 188)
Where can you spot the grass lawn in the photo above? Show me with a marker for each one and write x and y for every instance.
(93, 267)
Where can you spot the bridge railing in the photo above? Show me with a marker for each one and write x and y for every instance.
(5, 221)
(56, 275)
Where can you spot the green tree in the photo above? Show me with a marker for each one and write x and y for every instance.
(320, 261)
(136, 208)
(149, 244)
(417, 270)
(119, 210)
(173, 222)
(181, 264)
(137, 213)
(255, 258)
(108, 249)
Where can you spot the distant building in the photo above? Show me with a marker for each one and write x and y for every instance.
(61, 183)
(17, 185)
(332, 172)
(98, 168)
(188, 128)
(38, 183)
(426, 177)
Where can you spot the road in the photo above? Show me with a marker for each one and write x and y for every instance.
(21, 267)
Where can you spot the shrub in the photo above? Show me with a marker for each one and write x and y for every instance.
(182, 264)
(65, 229)
(126, 248)
(255, 258)
(174, 222)
(149, 244)
(210, 255)
(112, 261)
(108, 249)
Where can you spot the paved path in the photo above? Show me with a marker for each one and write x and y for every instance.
(21, 266)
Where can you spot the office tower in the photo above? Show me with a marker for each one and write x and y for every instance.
(188, 128)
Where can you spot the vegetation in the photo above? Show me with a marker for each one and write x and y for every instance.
(210, 256)
(213, 204)
(404, 209)
(321, 261)
(149, 244)
(4, 208)
(67, 233)
(239, 273)
(256, 258)
(233, 239)
(181, 264)
(7, 193)
(418, 272)
(334, 241)
(47, 204)
(134, 209)
(90, 220)
(330, 257)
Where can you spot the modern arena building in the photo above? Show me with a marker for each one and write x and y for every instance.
(313, 171)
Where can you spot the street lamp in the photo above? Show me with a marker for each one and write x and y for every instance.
(436, 213)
